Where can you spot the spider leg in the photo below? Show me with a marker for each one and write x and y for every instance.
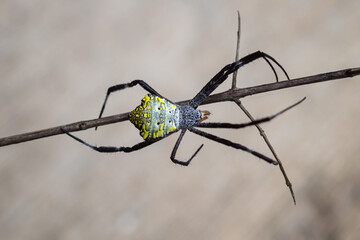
(232, 144)
(273, 69)
(119, 87)
(243, 125)
(221, 76)
(109, 149)
(173, 153)
(266, 56)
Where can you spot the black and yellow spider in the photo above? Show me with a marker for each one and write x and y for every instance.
(157, 117)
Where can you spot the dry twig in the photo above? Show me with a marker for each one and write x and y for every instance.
(230, 95)
(248, 114)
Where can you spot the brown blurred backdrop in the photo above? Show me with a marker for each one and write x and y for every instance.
(57, 59)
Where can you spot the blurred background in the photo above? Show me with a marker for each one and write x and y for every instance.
(57, 59)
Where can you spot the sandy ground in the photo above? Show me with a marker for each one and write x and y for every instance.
(57, 59)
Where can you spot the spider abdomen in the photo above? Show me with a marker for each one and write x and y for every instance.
(155, 117)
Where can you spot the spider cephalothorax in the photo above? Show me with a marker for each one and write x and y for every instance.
(157, 117)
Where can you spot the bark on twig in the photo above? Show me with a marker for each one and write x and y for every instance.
(230, 95)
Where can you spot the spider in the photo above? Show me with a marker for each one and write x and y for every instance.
(157, 117)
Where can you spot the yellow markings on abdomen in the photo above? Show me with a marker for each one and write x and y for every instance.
(155, 117)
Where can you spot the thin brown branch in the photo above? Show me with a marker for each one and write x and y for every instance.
(267, 141)
(229, 95)
(232, 95)
(248, 114)
(233, 86)
(72, 127)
